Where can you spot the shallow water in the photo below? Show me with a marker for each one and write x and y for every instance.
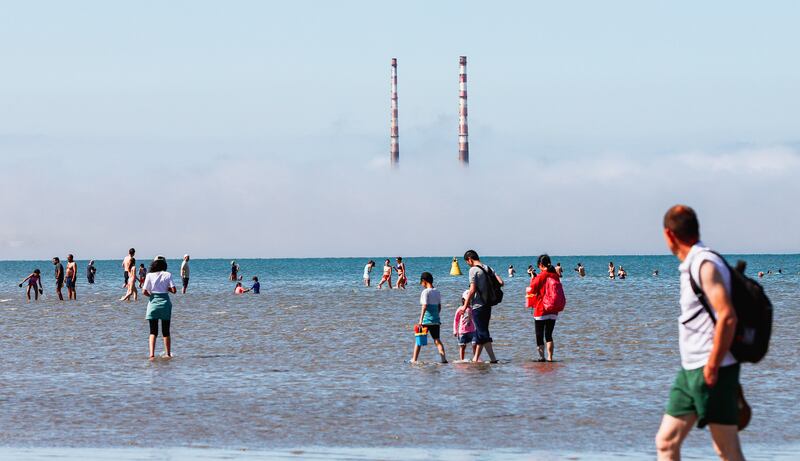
(318, 361)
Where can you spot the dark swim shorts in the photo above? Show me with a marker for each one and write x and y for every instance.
(433, 330)
(59, 283)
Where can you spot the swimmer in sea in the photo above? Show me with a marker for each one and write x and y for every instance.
(239, 289)
(611, 273)
(402, 280)
(90, 272)
(132, 282)
(387, 275)
(511, 271)
(581, 270)
(622, 273)
(531, 271)
(34, 282)
(559, 270)
(655, 273)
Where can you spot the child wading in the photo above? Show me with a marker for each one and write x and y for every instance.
(34, 283)
(464, 327)
(431, 301)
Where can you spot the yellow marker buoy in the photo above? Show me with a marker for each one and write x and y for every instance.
(454, 269)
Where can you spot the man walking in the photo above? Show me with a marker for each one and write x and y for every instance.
(126, 265)
(707, 386)
(481, 311)
(59, 273)
(185, 273)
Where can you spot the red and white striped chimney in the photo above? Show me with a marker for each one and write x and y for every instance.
(463, 132)
(394, 148)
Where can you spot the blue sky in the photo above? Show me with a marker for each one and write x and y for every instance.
(261, 128)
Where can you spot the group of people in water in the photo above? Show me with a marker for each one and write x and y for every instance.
(473, 316)
(155, 282)
(399, 268)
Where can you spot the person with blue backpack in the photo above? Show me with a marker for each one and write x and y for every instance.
(725, 319)
(548, 301)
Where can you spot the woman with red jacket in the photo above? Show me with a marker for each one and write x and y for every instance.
(544, 322)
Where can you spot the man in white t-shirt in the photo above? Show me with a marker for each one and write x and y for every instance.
(706, 389)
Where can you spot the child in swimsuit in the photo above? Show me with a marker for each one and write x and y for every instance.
(34, 282)
(142, 274)
(401, 273)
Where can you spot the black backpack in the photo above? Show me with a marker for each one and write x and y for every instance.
(495, 294)
(753, 313)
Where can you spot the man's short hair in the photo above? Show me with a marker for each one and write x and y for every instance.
(682, 221)
(471, 254)
(132, 251)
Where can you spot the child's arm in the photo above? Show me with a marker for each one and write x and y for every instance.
(422, 313)
(25, 280)
(456, 321)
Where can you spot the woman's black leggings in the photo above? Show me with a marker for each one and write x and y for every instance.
(154, 327)
(544, 331)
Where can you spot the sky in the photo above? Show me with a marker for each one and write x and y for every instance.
(261, 129)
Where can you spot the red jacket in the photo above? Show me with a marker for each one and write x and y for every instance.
(537, 289)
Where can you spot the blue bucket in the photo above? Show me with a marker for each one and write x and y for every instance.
(421, 338)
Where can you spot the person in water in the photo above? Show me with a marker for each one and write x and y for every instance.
(387, 274)
(71, 278)
(559, 270)
(141, 275)
(531, 271)
(235, 272)
(34, 282)
(479, 284)
(622, 273)
(256, 288)
(239, 289)
(402, 280)
(126, 266)
(511, 271)
(431, 301)
(132, 282)
(706, 388)
(185, 274)
(464, 327)
(59, 274)
(157, 287)
(544, 323)
(611, 273)
(368, 271)
(581, 270)
(90, 272)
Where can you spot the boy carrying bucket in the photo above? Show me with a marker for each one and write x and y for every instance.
(431, 301)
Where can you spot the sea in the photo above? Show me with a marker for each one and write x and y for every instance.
(317, 367)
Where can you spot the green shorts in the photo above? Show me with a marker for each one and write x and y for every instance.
(715, 405)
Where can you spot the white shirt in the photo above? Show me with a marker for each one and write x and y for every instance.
(430, 296)
(367, 270)
(158, 282)
(185, 269)
(696, 337)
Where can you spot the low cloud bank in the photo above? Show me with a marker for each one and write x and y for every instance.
(261, 204)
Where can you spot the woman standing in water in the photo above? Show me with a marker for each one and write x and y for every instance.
(157, 286)
(387, 274)
(611, 273)
(402, 280)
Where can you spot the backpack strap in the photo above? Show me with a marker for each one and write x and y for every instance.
(701, 296)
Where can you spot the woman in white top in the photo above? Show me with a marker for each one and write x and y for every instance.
(157, 286)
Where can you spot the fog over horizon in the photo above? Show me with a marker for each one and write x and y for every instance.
(262, 129)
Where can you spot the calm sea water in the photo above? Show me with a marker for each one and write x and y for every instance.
(317, 367)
